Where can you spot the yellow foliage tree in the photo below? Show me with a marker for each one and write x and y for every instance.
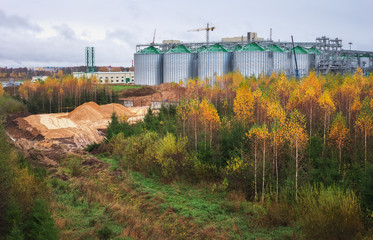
(276, 115)
(243, 104)
(193, 110)
(263, 136)
(364, 123)
(338, 135)
(182, 112)
(327, 105)
(311, 91)
(283, 89)
(205, 116)
(253, 135)
(297, 137)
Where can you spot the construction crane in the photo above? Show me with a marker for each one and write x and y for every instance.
(155, 30)
(207, 29)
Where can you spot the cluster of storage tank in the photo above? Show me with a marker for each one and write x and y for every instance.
(153, 67)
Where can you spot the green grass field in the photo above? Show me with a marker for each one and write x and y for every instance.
(128, 205)
(117, 88)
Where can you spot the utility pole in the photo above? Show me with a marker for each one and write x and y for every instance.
(270, 34)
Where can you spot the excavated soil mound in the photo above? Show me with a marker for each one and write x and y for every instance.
(160, 93)
(87, 112)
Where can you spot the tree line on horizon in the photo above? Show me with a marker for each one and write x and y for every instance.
(63, 93)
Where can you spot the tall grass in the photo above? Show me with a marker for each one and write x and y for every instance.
(329, 213)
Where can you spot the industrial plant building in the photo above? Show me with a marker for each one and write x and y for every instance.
(177, 61)
(108, 77)
(102, 77)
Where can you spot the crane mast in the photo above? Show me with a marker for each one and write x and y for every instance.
(207, 29)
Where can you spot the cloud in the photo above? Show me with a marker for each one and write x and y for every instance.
(65, 31)
(66, 48)
(17, 22)
(39, 35)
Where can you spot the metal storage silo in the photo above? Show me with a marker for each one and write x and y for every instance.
(178, 64)
(280, 59)
(314, 55)
(148, 66)
(303, 61)
(252, 59)
(213, 61)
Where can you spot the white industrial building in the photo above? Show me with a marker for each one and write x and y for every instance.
(39, 78)
(108, 77)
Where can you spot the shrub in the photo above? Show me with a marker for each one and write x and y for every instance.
(40, 224)
(73, 163)
(172, 156)
(15, 234)
(92, 147)
(115, 127)
(166, 157)
(237, 173)
(9, 105)
(137, 152)
(105, 233)
(279, 214)
(329, 213)
(117, 144)
(204, 171)
(367, 189)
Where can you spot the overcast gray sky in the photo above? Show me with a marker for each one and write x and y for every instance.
(54, 33)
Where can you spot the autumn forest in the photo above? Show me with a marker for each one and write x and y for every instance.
(269, 157)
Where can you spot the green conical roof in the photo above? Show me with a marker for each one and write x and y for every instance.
(235, 48)
(215, 48)
(253, 47)
(275, 48)
(200, 49)
(314, 50)
(179, 49)
(150, 50)
(300, 50)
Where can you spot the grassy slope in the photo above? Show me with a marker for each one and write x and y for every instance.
(132, 205)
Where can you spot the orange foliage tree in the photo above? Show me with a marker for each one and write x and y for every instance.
(1, 90)
(327, 105)
(209, 117)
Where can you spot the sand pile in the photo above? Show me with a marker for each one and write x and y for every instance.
(82, 126)
(87, 112)
(108, 109)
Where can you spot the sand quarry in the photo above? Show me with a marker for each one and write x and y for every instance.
(80, 127)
